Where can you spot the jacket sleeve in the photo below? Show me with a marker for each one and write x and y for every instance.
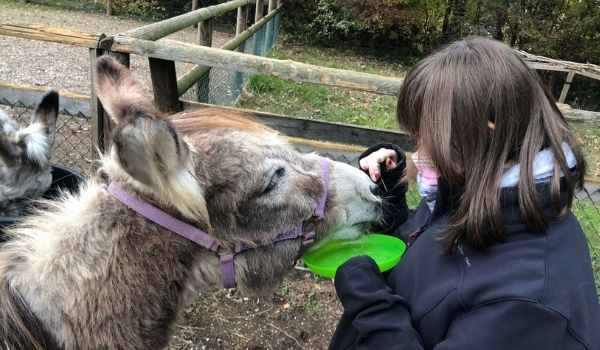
(391, 190)
(382, 318)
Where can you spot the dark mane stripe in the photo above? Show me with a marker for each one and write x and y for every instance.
(19, 328)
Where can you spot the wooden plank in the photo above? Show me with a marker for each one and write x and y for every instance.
(581, 117)
(161, 29)
(205, 39)
(317, 130)
(205, 33)
(566, 86)
(51, 34)
(16, 95)
(194, 8)
(259, 10)
(235, 61)
(270, 27)
(109, 7)
(543, 66)
(197, 72)
(164, 84)
(242, 19)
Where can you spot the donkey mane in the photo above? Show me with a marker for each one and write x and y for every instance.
(209, 118)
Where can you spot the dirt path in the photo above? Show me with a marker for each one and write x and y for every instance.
(64, 67)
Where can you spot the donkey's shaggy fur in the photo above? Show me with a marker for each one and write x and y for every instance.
(25, 156)
(86, 272)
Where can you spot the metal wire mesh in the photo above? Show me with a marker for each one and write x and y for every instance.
(224, 87)
(73, 140)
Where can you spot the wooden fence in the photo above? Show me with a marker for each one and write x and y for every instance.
(162, 53)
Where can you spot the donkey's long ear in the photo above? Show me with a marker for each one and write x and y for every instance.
(46, 112)
(118, 91)
(151, 151)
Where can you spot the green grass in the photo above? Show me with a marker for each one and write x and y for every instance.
(590, 140)
(320, 102)
(588, 214)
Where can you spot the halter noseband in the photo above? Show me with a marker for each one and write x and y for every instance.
(201, 238)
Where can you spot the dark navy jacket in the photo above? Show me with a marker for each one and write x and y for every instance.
(535, 291)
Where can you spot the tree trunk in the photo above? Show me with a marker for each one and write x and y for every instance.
(446, 23)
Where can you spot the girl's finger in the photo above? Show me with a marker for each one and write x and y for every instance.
(390, 164)
(374, 171)
(364, 165)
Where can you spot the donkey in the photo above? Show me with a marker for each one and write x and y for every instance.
(25, 156)
(105, 268)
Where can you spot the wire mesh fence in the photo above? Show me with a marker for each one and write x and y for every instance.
(73, 141)
(224, 87)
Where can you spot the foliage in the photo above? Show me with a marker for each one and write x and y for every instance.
(562, 29)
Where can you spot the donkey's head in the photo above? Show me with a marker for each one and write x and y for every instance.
(236, 179)
(25, 155)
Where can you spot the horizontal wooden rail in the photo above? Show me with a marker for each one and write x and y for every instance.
(193, 75)
(29, 96)
(51, 34)
(169, 26)
(316, 130)
(235, 61)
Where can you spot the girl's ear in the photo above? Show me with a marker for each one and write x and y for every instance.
(118, 91)
(491, 125)
(46, 112)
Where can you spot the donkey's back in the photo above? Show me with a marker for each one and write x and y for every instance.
(83, 273)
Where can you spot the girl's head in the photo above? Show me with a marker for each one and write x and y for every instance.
(475, 108)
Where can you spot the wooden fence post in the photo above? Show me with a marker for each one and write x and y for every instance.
(164, 84)
(242, 19)
(109, 7)
(259, 10)
(205, 39)
(565, 89)
(194, 8)
(270, 30)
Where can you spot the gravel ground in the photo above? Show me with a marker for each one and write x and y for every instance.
(64, 67)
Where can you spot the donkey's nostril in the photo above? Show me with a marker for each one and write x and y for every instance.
(375, 190)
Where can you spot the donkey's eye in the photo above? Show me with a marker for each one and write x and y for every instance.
(274, 179)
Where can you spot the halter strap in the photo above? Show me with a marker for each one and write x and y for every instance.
(201, 238)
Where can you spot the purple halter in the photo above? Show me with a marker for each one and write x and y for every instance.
(201, 238)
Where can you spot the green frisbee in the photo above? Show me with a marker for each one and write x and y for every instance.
(385, 250)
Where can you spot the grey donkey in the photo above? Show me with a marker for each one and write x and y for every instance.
(25, 153)
(88, 272)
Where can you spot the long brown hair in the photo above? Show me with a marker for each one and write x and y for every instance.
(446, 103)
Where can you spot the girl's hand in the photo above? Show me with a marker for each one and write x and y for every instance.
(372, 163)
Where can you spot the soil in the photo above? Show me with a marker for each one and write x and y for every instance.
(301, 314)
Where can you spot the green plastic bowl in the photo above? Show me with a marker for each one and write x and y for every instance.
(385, 250)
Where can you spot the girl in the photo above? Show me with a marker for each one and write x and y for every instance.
(496, 259)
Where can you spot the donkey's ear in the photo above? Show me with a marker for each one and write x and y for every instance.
(118, 91)
(148, 150)
(151, 151)
(46, 112)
